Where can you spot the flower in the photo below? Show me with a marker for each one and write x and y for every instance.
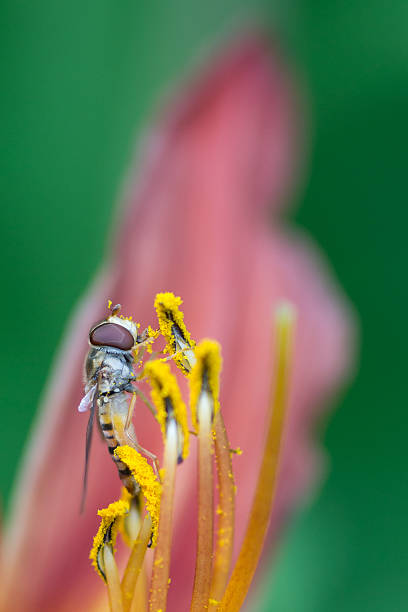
(214, 589)
(195, 221)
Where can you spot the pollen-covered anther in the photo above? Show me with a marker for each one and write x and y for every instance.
(205, 378)
(146, 478)
(167, 399)
(172, 327)
(107, 532)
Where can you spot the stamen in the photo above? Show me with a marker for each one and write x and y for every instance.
(135, 563)
(226, 514)
(139, 603)
(106, 535)
(129, 525)
(204, 409)
(171, 321)
(167, 398)
(161, 564)
(266, 486)
(205, 376)
(145, 477)
(112, 579)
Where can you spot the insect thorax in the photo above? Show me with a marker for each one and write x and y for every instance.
(110, 367)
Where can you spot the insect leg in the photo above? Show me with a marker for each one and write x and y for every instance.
(129, 433)
(136, 391)
(135, 444)
(187, 363)
(130, 412)
(145, 400)
(151, 456)
(139, 355)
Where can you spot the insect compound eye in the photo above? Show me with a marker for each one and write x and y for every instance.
(111, 334)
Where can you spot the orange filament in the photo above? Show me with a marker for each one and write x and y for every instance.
(161, 563)
(225, 512)
(139, 603)
(135, 563)
(266, 486)
(203, 569)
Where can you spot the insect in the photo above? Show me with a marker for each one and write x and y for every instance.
(109, 378)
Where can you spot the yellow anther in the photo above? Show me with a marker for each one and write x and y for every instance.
(109, 304)
(205, 376)
(107, 533)
(165, 388)
(145, 477)
(171, 321)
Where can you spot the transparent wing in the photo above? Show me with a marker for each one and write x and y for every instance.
(86, 401)
(88, 442)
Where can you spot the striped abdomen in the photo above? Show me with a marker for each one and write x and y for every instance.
(112, 418)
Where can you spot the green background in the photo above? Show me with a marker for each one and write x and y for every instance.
(79, 79)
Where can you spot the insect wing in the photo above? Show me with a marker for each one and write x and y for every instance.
(88, 442)
(86, 401)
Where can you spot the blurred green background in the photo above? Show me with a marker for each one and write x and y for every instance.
(79, 79)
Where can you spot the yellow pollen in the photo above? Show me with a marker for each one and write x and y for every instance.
(152, 334)
(109, 524)
(169, 315)
(109, 304)
(164, 387)
(145, 477)
(207, 369)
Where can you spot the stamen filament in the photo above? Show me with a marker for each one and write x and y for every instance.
(226, 514)
(135, 563)
(139, 602)
(112, 579)
(266, 486)
(161, 564)
(203, 569)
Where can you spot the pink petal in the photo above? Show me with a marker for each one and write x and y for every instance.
(195, 224)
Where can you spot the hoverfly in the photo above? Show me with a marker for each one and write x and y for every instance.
(109, 377)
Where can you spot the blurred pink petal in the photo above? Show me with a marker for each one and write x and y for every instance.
(195, 223)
